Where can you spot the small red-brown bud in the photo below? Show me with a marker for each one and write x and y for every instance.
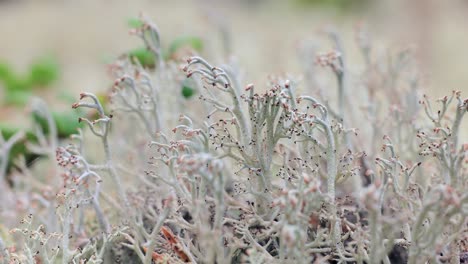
(249, 87)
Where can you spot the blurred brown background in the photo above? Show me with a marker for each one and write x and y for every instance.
(84, 35)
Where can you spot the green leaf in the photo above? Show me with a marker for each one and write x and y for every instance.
(341, 5)
(145, 57)
(5, 71)
(187, 88)
(44, 71)
(11, 81)
(19, 148)
(134, 22)
(17, 84)
(66, 123)
(187, 92)
(194, 42)
(16, 97)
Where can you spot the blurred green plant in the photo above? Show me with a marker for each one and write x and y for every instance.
(147, 59)
(10, 80)
(17, 91)
(16, 97)
(188, 89)
(340, 5)
(18, 149)
(42, 73)
(143, 56)
(187, 92)
(192, 42)
(66, 123)
(134, 22)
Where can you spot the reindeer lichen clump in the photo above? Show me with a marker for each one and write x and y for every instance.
(249, 175)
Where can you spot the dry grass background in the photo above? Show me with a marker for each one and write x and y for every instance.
(84, 34)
